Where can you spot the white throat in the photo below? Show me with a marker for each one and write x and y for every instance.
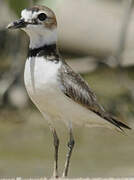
(41, 37)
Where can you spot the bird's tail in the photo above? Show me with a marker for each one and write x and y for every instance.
(111, 119)
(116, 123)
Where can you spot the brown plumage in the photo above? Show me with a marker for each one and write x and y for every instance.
(74, 86)
(51, 19)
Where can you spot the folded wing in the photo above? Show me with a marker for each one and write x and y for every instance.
(74, 86)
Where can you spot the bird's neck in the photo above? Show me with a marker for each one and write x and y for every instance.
(45, 50)
(43, 44)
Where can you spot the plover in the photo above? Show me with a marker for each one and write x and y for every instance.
(59, 93)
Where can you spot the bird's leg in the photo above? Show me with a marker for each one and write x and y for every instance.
(56, 146)
(70, 146)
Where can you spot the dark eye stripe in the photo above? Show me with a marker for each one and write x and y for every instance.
(42, 16)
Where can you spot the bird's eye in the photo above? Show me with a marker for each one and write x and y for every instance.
(42, 16)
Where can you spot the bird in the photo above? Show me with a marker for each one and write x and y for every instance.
(60, 94)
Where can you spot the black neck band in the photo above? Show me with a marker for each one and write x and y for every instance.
(45, 50)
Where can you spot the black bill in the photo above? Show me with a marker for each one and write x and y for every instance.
(17, 24)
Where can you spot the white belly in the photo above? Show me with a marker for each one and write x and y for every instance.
(41, 82)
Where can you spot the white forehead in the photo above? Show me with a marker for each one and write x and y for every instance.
(28, 15)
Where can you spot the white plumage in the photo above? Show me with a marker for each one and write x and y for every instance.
(41, 81)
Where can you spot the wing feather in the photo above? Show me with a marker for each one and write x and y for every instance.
(74, 86)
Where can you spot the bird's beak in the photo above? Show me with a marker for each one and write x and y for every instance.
(20, 23)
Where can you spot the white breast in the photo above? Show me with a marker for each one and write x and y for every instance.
(40, 78)
(40, 73)
(42, 85)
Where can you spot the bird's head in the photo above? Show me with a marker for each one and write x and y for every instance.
(39, 22)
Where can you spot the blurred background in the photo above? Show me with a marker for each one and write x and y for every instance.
(97, 39)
